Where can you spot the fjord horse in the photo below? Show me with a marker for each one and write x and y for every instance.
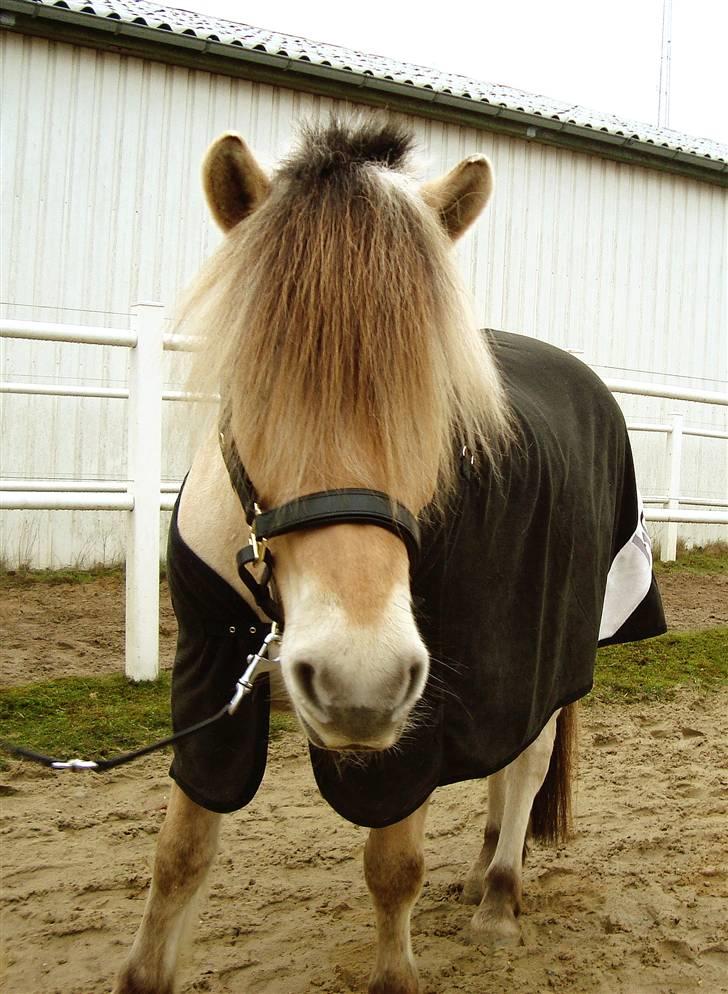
(342, 343)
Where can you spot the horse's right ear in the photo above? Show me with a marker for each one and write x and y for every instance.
(460, 195)
(233, 181)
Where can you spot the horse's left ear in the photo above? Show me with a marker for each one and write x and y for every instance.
(460, 195)
(234, 182)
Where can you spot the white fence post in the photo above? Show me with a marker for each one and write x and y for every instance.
(144, 473)
(668, 552)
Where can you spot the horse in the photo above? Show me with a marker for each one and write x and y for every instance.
(375, 488)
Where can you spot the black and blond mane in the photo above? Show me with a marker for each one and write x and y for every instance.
(335, 321)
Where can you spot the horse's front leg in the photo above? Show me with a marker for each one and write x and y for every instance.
(186, 847)
(394, 867)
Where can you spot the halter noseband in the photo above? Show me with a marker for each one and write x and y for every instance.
(351, 505)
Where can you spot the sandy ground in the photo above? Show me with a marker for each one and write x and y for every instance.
(636, 903)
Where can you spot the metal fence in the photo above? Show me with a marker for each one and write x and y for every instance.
(142, 496)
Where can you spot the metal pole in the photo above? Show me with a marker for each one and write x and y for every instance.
(144, 472)
(63, 500)
(670, 392)
(663, 102)
(687, 517)
(674, 446)
(46, 331)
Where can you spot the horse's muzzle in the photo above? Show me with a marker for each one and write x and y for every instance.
(323, 700)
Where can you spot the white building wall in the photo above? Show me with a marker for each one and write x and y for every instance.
(102, 207)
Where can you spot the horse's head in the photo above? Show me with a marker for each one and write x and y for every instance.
(348, 359)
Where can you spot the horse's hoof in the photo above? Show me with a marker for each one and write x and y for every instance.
(494, 931)
(129, 982)
(389, 983)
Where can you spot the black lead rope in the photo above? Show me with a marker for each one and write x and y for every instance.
(243, 687)
(101, 765)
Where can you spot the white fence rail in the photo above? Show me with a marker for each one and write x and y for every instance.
(142, 495)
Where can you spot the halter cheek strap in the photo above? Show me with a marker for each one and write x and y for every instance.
(247, 558)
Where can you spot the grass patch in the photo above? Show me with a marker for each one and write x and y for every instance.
(23, 578)
(92, 717)
(652, 669)
(711, 559)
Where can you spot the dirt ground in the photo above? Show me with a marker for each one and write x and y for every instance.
(635, 903)
(73, 629)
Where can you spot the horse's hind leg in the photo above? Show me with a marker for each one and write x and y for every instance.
(187, 845)
(394, 867)
(544, 764)
(474, 886)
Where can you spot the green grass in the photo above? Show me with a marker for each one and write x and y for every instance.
(91, 717)
(711, 559)
(23, 578)
(652, 669)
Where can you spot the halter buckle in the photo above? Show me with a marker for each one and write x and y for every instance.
(258, 545)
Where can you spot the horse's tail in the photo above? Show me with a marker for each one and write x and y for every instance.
(551, 811)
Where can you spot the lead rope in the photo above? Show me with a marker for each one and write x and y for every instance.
(243, 687)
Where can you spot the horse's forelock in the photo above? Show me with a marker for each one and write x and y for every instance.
(338, 148)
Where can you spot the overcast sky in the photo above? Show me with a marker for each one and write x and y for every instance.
(603, 55)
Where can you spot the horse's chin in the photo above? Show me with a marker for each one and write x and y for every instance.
(337, 744)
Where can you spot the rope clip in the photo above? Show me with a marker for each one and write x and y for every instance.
(77, 765)
(244, 685)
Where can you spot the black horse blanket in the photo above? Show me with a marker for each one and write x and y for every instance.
(530, 571)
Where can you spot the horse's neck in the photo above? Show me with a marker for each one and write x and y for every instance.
(212, 523)
(210, 518)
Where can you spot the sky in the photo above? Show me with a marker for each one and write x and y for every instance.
(601, 55)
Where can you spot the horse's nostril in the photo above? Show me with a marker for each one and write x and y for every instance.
(304, 676)
(409, 685)
(416, 675)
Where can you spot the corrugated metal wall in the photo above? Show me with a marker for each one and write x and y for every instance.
(101, 207)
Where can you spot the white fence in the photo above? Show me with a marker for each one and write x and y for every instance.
(143, 498)
(140, 495)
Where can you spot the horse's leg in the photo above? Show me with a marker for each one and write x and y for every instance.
(474, 886)
(496, 917)
(187, 845)
(394, 867)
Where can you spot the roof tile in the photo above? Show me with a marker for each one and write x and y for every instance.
(228, 32)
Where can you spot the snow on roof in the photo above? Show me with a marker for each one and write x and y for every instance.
(298, 49)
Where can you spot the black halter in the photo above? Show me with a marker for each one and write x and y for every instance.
(352, 505)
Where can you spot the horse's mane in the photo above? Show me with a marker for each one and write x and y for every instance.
(335, 321)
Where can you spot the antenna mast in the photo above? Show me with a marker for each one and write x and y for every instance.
(663, 104)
